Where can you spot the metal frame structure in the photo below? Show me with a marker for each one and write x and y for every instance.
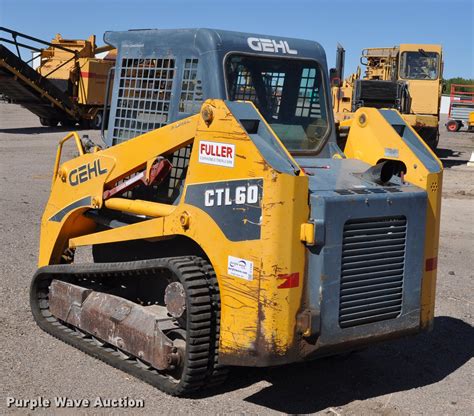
(461, 102)
(17, 44)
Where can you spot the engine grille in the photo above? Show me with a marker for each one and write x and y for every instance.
(373, 261)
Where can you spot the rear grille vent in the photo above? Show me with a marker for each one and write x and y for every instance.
(373, 260)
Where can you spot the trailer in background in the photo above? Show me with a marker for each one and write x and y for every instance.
(461, 107)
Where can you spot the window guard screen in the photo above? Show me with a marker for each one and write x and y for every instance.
(191, 88)
(144, 95)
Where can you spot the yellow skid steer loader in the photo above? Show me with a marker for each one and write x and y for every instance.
(226, 226)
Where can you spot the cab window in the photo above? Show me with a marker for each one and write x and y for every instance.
(419, 65)
(288, 93)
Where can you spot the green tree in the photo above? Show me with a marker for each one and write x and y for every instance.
(456, 80)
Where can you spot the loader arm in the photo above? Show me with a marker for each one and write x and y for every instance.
(79, 183)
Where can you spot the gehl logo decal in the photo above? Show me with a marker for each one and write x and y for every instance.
(85, 172)
(270, 45)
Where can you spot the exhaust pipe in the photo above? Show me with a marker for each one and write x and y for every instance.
(381, 173)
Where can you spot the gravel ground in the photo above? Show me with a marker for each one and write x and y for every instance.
(428, 374)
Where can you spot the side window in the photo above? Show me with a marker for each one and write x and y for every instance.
(242, 87)
(191, 88)
(274, 82)
(144, 95)
(308, 104)
(271, 82)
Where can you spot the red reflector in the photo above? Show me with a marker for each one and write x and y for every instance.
(431, 264)
(291, 280)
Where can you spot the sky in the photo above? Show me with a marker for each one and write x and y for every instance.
(356, 24)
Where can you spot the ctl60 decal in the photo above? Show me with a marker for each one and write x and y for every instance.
(240, 195)
(235, 206)
(220, 154)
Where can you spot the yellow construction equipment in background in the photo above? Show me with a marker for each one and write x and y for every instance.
(406, 77)
(238, 234)
(68, 82)
(85, 75)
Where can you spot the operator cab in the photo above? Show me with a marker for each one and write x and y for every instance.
(162, 76)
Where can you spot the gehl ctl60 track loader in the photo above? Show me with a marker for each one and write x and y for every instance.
(226, 226)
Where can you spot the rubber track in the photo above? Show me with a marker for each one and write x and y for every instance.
(217, 372)
(201, 368)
